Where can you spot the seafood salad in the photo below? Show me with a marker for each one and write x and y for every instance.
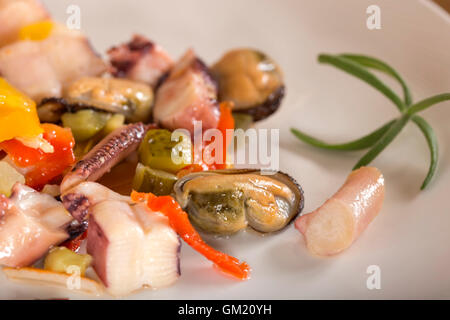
(88, 178)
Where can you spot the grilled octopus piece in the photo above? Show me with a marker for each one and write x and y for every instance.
(139, 60)
(186, 96)
(15, 14)
(30, 224)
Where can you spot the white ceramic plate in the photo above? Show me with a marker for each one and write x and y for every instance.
(409, 240)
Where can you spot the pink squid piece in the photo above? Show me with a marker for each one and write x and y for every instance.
(335, 225)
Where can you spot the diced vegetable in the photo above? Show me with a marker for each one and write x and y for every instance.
(8, 177)
(36, 31)
(116, 121)
(18, 116)
(157, 182)
(60, 259)
(85, 123)
(159, 151)
(43, 167)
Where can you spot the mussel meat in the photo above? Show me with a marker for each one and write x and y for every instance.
(250, 79)
(226, 201)
(132, 99)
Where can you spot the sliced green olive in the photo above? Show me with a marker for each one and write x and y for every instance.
(85, 123)
(60, 259)
(218, 212)
(159, 151)
(157, 182)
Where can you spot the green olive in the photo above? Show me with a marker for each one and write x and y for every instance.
(85, 123)
(157, 182)
(158, 151)
(59, 259)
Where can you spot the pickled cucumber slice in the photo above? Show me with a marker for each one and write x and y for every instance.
(8, 177)
(116, 121)
(159, 152)
(85, 123)
(157, 182)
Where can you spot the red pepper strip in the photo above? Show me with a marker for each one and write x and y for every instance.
(44, 166)
(192, 168)
(75, 244)
(226, 121)
(179, 221)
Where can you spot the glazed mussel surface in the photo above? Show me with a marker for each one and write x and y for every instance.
(251, 80)
(226, 201)
(132, 99)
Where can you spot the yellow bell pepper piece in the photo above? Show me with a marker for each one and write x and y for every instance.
(36, 31)
(18, 115)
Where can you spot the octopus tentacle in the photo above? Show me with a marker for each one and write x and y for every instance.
(108, 152)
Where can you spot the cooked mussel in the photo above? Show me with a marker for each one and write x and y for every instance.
(226, 201)
(252, 80)
(132, 99)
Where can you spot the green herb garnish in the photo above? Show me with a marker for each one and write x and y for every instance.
(378, 140)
